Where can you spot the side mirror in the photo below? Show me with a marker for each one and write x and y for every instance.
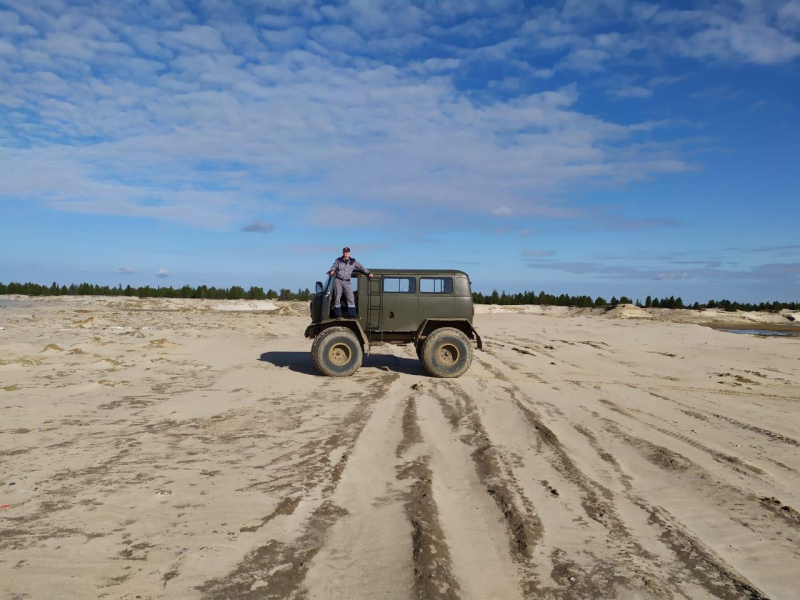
(318, 287)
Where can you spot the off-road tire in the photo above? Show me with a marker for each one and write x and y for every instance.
(336, 352)
(418, 348)
(446, 352)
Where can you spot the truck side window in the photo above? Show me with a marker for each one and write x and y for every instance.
(401, 285)
(436, 285)
(462, 286)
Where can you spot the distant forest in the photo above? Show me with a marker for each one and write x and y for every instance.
(257, 293)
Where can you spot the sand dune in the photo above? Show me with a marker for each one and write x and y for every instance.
(169, 449)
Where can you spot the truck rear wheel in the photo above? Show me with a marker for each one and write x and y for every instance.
(336, 352)
(446, 353)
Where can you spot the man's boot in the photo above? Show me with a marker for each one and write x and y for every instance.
(351, 312)
(337, 312)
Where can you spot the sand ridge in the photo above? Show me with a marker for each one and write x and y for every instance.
(169, 449)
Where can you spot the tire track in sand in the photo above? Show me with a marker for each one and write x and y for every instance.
(278, 565)
(704, 565)
(689, 567)
(374, 536)
(476, 531)
(540, 451)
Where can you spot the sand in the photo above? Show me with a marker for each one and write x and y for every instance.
(170, 449)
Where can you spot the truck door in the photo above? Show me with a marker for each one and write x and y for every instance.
(399, 299)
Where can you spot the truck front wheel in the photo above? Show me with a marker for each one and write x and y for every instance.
(446, 353)
(336, 352)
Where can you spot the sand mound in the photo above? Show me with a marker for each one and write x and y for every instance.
(85, 323)
(162, 343)
(52, 347)
(249, 305)
(627, 311)
(522, 309)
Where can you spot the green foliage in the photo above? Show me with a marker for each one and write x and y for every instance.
(257, 293)
(200, 292)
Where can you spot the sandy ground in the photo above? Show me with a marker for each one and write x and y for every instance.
(168, 449)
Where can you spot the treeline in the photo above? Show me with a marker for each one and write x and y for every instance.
(543, 298)
(257, 293)
(212, 293)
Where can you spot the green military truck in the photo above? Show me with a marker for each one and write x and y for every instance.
(430, 309)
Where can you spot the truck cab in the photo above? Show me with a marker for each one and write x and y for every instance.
(397, 306)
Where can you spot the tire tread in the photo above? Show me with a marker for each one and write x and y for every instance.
(430, 342)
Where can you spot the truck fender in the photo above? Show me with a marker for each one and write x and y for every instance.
(353, 325)
(464, 325)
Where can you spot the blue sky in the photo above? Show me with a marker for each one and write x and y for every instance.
(583, 147)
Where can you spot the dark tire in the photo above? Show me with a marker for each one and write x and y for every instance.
(336, 352)
(446, 352)
(419, 350)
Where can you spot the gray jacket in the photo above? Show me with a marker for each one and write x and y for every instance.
(343, 269)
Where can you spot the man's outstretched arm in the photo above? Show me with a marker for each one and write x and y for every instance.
(362, 268)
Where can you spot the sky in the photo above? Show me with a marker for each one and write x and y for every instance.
(601, 148)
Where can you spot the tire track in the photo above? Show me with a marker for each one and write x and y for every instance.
(717, 492)
(524, 526)
(432, 570)
(703, 564)
(369, 491)
(278, 567)
(707, 415)
(634, 565)
(734, 462)
(691, 410)
(485, 543)
(727, 583)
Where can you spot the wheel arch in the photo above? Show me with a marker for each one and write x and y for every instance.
(313, 331)
(428, 326)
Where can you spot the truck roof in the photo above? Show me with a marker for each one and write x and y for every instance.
(419, 271)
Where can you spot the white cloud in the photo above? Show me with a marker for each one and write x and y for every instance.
(124, 271)
(673, 276)
(162, 273)
(432, 65)
(151, 113)
(202, 37)
(752, 42)
(789, 15)
(336, 37)
(631, 91)
(666, 79)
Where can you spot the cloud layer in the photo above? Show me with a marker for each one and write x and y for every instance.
(209, 115)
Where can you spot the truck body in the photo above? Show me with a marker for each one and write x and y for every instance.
(400, 306)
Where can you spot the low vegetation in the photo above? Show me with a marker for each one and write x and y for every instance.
(257, 293)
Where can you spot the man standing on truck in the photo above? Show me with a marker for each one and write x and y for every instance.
(341, 271)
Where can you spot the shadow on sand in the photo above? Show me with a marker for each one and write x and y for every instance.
(300, 362)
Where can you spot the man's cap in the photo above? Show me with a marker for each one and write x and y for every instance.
(345, 249)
